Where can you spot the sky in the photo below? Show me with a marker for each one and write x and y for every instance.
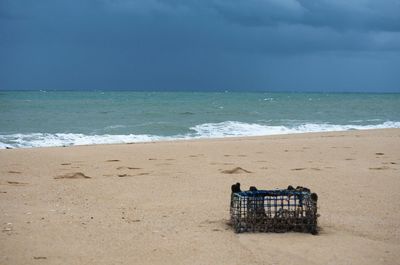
(202, 45)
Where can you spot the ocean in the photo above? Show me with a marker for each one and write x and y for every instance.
(63, 118)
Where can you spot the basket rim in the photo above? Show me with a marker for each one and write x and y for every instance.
(278, 192)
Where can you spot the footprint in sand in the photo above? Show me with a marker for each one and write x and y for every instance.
(76, 175)
(379, 168)
(142, 174)
(127, 175)
(196, 155)
(124, 175)
(16, 183)
(236, 170)
(131, 168)
(389, 163)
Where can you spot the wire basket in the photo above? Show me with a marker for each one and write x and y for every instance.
(274, 211)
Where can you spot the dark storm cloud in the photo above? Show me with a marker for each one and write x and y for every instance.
(200, 44)
(340, 14)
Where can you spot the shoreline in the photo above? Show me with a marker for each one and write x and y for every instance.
(168, 202)
(194, 139)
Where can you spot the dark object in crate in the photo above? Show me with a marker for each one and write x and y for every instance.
(274, 210)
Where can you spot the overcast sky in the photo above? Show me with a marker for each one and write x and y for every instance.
(270, 45)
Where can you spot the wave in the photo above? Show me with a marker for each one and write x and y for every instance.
(232, 128)
(114, 127)
(68, 139)
(206, 130)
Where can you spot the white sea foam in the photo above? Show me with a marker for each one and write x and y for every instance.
(66, 139)
(231, 128)
(206, 130)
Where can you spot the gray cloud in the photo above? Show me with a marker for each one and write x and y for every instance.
(194, 44)
(339, 14)
(357, 14)
(259, 12)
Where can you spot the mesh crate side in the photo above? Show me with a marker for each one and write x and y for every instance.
(273, 211)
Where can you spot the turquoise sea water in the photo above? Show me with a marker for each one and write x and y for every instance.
(55, 118)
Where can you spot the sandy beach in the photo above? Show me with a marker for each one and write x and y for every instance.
(168, 202)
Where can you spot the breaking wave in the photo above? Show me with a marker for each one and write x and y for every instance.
(231, 128)
(206, 130)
